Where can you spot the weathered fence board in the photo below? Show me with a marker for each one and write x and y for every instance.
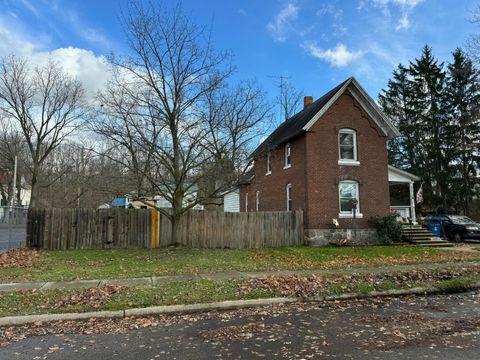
(144, 228)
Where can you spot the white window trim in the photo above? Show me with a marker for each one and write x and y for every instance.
(257, 200)
(288, 190)
(269, 164)
(349, 214)
(354, 161)
(349, 162)
(288, 149)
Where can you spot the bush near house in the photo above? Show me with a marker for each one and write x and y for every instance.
(388, 228)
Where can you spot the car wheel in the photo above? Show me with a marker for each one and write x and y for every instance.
(457, 237)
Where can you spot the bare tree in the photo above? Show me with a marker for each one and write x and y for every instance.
(45, 103)
(473, 43)
(289, 99)
(171, 67)
(12, 145)
(121, 116)
(235, 117)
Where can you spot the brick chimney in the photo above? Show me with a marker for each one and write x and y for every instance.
(307, 100)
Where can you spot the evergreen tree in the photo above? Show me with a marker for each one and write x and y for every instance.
(428, 86)
(463, 101)
(396, 102)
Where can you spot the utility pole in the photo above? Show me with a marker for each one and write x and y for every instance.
(14, 187)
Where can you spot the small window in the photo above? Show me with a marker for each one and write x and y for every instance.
(269, 163)
(348, 195)
(289, 197)
(347, 143)
(246, 202)
(257, 200)
(288, 158)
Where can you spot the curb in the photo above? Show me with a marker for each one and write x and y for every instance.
(223, 305)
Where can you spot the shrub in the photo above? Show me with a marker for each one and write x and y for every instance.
(388, 228)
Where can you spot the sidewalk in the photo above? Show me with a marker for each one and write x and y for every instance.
(154, 280)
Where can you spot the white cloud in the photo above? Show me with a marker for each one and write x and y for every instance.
(242, 12)
(339, 56)
(336, 14)
(280, 26)
(402, 3)
(90, 69)
(406, 8)
(403, 23)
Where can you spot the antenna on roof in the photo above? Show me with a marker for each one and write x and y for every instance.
(281, 83)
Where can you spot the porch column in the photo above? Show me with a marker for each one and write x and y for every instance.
(412, 204)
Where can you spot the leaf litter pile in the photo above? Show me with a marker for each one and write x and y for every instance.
(313, 285)
(94, 297)
(20, 257)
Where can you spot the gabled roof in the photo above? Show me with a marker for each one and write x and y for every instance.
(304, 120)
(397, 175)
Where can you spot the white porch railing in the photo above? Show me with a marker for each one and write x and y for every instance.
(403, 211)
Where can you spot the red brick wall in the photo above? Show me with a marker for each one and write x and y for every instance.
(315, 172)
(324, 173)
(273, 194)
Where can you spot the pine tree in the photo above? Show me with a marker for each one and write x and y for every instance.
(396, 102)
(463, 104)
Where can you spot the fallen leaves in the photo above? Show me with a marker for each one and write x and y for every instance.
(94, 297)
(313, 285)
(17, 257)
(233, 333)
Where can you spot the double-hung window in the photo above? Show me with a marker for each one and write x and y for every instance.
(347, 147)
(269, 164)
(289, 197)
(288, 156)
(349, 198)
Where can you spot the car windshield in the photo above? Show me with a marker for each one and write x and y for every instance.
(461, 220)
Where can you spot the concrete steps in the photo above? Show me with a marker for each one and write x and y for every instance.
(420, 236)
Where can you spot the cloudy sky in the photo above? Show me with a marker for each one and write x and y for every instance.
(315, 44)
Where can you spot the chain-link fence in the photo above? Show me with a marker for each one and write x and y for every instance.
(13, 227)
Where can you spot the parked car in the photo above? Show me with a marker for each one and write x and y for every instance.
(454, 227)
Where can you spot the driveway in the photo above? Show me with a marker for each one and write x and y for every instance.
(437, 327)
(12, 236)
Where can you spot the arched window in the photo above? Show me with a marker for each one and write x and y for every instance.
(288, 156)
(347, 147)
(289, 197)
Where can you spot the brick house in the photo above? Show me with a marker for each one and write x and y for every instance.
(323, 160)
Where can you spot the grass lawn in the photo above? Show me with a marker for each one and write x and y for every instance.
(204, 291)
(125, 263)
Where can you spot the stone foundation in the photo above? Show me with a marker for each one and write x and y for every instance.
(323, 237)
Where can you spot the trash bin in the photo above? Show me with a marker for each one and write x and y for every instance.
(435, 229)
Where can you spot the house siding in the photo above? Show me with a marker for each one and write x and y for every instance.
(315, 172)
(231, 201)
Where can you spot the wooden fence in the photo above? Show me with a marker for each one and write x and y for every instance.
(145, 228)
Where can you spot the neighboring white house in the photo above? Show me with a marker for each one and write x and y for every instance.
(231, 201)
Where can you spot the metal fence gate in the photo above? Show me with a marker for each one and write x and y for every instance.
(13, 227)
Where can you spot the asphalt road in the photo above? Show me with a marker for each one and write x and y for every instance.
(440, 327)
(12, 236)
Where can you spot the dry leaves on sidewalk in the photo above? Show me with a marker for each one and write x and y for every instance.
(17, 257)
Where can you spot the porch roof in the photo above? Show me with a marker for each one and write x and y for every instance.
(399, 176)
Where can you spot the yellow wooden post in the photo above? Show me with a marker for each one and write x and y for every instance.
(154, 239)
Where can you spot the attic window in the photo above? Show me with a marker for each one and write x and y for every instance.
(288, 157)
(347, 147)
